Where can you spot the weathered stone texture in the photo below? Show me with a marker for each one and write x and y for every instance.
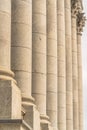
(40, 41)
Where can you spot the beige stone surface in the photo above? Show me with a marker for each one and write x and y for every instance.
(75, 74)
(10, 107)
(14, 125)
(10, 127)
(69, 90)
(40, 40)
(5, 33)
(52, 62)
(39, 54)
(32, 116)
(61, 66)
(22, 44)
(80, 89)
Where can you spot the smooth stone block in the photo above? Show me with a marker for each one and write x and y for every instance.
(10, 100)
(17, 124)
(32, 117)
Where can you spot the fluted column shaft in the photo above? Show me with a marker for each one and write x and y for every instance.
(80, 91)
(75, 74)
(5, 33)
(80, 24)
(22, 44)
(69, 91)
(10, 103)
(5, 39)
(61, 66)
(52, 62)
(39, 55)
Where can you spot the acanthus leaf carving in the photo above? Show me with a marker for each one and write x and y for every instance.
(75, 7)
(80, 21)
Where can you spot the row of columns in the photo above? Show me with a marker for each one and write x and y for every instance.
(44, 52)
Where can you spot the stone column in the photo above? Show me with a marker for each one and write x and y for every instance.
(22, 45)
(61, 66)
(69, 91)
(80, 24)
(75, 65)
(52, 62)
(5, 40)
(80, 91)
(10, 107)
(39, 56)
(22, 55)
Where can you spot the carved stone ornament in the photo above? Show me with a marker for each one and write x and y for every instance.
(75, 7)
(80, 22)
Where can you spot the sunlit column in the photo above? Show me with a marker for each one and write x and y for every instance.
(5, 39)
(75, 66)
(80, 24)
(10, 107)
(22, 45)
(52, 62)
(39, 55)
(69, 90)
(61, 65)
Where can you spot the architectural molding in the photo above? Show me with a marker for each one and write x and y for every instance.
(81, 18)
(75, 7)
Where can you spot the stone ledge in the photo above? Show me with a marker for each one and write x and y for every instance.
(16, 121)
(11, 121)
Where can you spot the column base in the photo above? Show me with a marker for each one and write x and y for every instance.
(45, 123)
(44, 119)
(32, 116)
(28, 100)
(45, 126)
(6, 74)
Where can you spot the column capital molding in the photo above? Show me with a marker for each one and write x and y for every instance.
(75, 8)
(80, 22)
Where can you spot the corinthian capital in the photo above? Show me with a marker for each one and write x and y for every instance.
(75, 7)
(80, 22)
